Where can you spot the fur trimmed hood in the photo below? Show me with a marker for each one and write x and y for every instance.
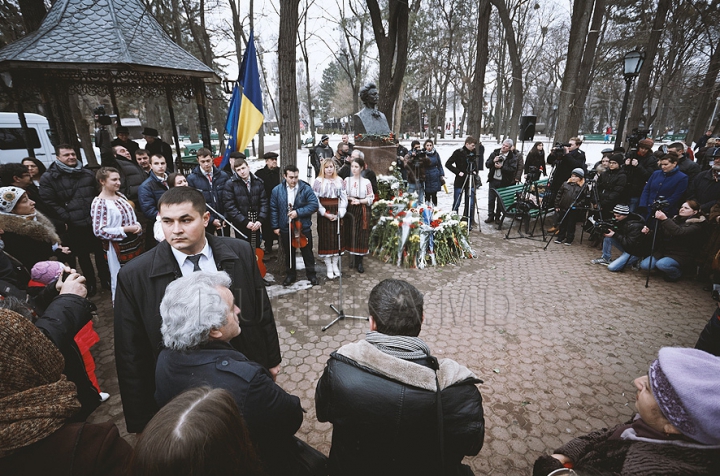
(406, 372)
(40, 229)
(695, 219)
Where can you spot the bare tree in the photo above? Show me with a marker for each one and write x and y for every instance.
(288, 120)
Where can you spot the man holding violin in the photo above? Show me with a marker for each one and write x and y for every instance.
(292, 205)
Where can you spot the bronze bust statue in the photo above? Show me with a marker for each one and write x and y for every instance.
(369, 120)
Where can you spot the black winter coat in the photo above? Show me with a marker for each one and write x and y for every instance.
(138, 341)
(272, 415)
(237, 202)
(29, 241)
(212, 192)
(384, 414)
(149, 193)
(689, 168)
(69, 196)
(611, 188)
(132, 176)
(130, 145)
(681, 239)
(631, 237)
(164, 149)
(567, 194)
(564, 165)
(62, 319)
(458, 162)
(535, 159)
(509, 168)
(638, 175)
(270, 178)
(705, 190)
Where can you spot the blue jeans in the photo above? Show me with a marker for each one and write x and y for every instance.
(469, 199)
(624, 259)
(419, 189)
(669, 266)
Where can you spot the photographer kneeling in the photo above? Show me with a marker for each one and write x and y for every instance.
(627, 236)
(681, 238)
(415, 164)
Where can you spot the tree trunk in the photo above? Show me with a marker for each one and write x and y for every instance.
(397, 119)
(517, 73)
(477, 98)
(705, 103)
(643, 91)
(580, 22)
(587, 66)
(288, 120)
(33, 12)
(392, 51)
(83, 129)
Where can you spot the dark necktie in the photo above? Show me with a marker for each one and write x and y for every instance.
(209, 176)
(195, 260)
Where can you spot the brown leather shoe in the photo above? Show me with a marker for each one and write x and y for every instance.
(553, 229)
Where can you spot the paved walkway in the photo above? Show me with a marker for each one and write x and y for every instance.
(556, 340)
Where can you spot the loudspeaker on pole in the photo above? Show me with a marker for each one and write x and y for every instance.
(527, 127)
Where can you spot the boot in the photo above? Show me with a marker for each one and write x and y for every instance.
(360, 267)
(329, 266)
(336, 265)
(353, 261)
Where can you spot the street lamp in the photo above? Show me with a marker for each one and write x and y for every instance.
(633, 62)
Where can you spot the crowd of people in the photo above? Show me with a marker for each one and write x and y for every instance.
(197, 351)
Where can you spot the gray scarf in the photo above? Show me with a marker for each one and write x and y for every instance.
(68, 169)
(402, 347)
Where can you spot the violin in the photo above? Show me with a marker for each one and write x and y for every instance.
(297, 238)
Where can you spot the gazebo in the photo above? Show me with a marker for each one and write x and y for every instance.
(102, 47)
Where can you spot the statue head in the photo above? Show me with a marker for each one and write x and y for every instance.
(369, 95)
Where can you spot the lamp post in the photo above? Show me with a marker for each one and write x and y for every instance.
(633, 62)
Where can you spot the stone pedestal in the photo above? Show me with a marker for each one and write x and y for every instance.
(378, 157)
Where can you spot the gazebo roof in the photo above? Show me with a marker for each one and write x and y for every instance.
(115, 35)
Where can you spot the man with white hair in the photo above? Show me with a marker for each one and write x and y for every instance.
(199, 318)
(502, 166)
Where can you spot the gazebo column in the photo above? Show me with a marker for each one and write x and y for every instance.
(113, 101)
(200, 99)
(178, 162)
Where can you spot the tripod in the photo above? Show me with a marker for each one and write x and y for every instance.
(341, 316)
(652, 251)
(470, 181)
(573, 207)
(524, 206)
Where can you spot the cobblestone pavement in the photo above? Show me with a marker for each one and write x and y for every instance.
(556, 339)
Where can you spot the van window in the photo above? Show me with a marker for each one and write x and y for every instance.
(12, 138)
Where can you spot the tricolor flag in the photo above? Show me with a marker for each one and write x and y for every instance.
(245, 115)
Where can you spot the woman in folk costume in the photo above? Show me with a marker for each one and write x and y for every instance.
(357, 222)
(330, 191)
(115, 223)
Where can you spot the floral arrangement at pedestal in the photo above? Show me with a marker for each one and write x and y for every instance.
(417, 237)
(391, 185)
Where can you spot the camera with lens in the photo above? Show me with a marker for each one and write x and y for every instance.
(636, 136)
(602, 226)
(659, 204)
(101, 116)
(471, 164)
(560, 146)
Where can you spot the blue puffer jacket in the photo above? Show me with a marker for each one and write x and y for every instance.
(671, 185)
(433, 173)
(306, 204)
(149, 193)
(212, 192)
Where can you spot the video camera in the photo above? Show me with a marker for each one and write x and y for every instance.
(635, 137)
(472, 166)
(659, 204)
(560, 146)
(101, 117)
(602, 226)
(533, 174)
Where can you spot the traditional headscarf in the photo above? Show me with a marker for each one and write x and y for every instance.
(35, 397)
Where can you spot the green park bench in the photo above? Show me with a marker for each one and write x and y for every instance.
(596, 137)
(673, 137)
(191, 150)
(508, 198)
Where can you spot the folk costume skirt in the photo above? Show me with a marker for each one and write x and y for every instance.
(327, 230)
(357, 229)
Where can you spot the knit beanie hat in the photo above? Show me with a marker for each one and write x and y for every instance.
(46, 272)
(579, 172)
(618, 158)
(646, 143)
(621, 210)
(686, 384)
(35, 397)
(9, 196)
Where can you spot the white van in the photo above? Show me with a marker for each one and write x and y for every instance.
(12, 143)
